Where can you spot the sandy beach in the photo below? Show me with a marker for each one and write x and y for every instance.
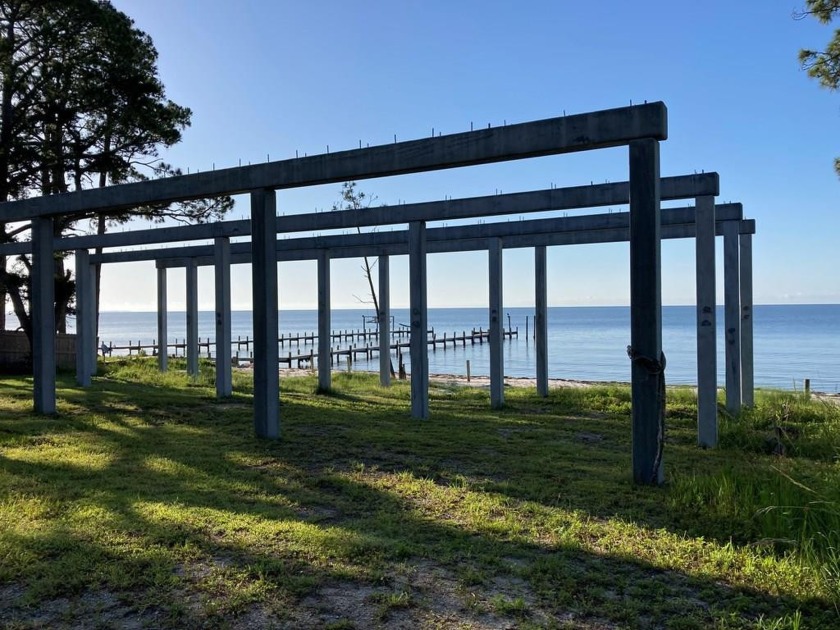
(518, 381)
(460, 379)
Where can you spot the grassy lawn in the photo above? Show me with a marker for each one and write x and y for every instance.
(148, 503)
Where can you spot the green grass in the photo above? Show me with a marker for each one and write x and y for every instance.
(146, 499)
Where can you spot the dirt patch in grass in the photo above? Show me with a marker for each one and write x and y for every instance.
(422, 594)
(92, 609)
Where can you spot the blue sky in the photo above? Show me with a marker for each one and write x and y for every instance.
(271, 78)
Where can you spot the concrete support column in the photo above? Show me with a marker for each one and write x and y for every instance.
(419, 320)
(91, 347)
(541, 318)
(264, 280)
(497, 356)
(3, 295)
(42, 299)
(747, 367)
(732, 315)
(384, 316)
(162, 320)
(224, 375)
(324, 313)
(646, 312)
(707, 433)
(192, 318)
(83, 314)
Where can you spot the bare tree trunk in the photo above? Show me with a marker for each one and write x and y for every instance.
(19, 307)
(16, 292)
(369, 274)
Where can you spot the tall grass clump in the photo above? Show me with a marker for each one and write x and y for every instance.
(788, 424)
(782, 486)
(145, 370)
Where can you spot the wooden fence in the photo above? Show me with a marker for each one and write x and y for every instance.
(14, 350)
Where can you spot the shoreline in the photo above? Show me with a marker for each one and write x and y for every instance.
(527, 381)
(475, 381)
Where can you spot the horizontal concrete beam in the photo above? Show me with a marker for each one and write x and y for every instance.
(379, 239)
(586, 237)
(590, 237)
(577, 197)
(603, 221)
(380, 242)
(581, 132)
(572, 198)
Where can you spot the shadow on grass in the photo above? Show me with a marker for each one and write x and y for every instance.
(182, 486)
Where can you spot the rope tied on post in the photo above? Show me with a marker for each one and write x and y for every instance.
(654, 368)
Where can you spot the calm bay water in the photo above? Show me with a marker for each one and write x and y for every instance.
(792, 342)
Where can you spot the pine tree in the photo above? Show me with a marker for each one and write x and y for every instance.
(824, 65)
(81, 106)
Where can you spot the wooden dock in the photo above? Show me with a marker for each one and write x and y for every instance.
(352, 352)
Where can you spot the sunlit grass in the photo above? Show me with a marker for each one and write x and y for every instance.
(147, 488)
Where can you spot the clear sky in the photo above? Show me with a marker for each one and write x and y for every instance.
(268, 78)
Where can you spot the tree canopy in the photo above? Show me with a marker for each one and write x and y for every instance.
(824, 65)
(81, 105)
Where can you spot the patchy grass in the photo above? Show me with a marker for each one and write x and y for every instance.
(146, 501)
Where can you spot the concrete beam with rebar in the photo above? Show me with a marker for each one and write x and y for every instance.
(640, 128)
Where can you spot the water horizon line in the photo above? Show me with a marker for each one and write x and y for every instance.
(484, 307)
